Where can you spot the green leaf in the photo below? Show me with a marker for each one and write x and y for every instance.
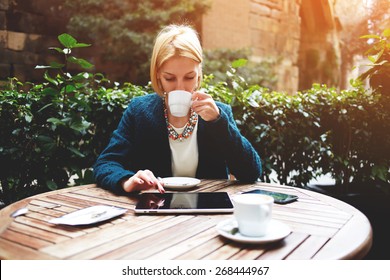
(82, 76)
(57, 49)
(68, 89)
(371, 36)
(380, 171)
(55, 121)
(236, 86)
(372, 58)
(28, 118)
(47, 143)
(50, 79)
(234, 231)
(56, 65)
(81, 45)
(49, 91)
(82, 62)
(42, 66)
(386, 33)
(67, 40)
(76, 152)
(80, 125)
(51, 185)
(44, 107)
(239, 63)
(253, 103)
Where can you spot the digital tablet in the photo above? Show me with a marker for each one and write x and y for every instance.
(172, 203)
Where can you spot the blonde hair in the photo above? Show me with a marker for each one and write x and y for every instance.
(174, 40)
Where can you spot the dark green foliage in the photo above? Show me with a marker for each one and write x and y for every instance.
(54, 130)
(217, 62)
(125, 29)
(379, 55)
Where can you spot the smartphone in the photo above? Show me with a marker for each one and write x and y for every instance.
(280, 198)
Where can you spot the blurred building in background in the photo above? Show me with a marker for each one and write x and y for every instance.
(304, 36)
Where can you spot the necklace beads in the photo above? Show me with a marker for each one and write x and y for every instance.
(188, 129)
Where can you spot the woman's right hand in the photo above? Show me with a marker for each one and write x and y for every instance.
(142, 180)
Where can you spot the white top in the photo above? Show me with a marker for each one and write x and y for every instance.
(184, 154)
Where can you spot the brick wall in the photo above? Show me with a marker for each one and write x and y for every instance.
(27, 30)
(270, 28)
(227, 25)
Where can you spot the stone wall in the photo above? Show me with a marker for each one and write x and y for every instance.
(27, 29)
(270, 28)
(302, 34)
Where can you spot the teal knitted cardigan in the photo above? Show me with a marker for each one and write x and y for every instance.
(141, 142)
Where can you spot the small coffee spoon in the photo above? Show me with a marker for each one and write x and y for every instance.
(24, 210)
(19, 212)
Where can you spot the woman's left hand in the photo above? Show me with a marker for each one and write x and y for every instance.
(204, 105)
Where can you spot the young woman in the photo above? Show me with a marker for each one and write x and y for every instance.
(150, 142)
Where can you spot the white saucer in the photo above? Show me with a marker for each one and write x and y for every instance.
(276, 231)
(89, 215)
(180, 183)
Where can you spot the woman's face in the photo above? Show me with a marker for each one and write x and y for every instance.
(179, 73)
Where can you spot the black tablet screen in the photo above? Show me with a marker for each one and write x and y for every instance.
(206, 202)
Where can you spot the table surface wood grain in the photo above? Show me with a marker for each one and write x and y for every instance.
(322, 228)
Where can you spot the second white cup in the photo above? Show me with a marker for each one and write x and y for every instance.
(179, 102)
(253, 213)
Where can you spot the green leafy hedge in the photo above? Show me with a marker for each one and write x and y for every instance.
(54, 130)
(45, 140)
(302, 136)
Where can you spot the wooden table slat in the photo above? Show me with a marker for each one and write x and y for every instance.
(24, 239)
(311, 229)
(224, 252)
(309, 247)
(316, 221)
(281, 250)
(203, 250)
(303, 215)
(352, 242)
(172, 236)
(68, 248)
(100, 200)
(176, 250)
(14, 251)
(130, 233)
(64, 230)
(39, 233)
(105, 195)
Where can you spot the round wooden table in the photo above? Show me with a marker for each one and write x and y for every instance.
(322, 228)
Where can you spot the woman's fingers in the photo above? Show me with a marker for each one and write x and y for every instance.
(145, 179)
(160, 188)
(204, 105)
(140, 181)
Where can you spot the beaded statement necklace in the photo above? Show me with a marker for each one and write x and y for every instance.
(188, 129)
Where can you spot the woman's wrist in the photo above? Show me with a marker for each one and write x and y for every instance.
(125, 184)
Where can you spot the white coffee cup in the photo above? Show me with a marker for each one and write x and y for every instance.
(253, 213)
(179, 102)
